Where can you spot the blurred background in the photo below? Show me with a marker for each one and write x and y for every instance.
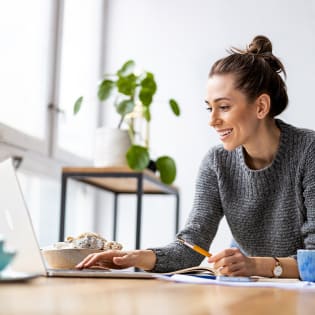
(53, 51)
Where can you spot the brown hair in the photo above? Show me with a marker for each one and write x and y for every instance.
(257, 71)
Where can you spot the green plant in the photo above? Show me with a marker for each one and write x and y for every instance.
(132, 89)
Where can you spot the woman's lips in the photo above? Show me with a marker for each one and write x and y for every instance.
(224, 133)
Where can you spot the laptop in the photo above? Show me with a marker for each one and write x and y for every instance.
(17, 230)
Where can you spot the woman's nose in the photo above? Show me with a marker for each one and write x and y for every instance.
(214, 119)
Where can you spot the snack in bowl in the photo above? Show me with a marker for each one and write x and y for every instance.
(67, 254)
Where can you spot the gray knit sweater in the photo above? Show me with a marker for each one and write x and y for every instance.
(271, 211)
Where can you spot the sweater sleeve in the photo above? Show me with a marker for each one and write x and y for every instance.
(201, 224)
(308, 227)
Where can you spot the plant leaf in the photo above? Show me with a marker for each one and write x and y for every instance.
(126, 68)
(145, 96)
(125, 107)
(77, 105)
(149, 82)
(167, 168)
(127, 85)
(105, 89)
(137, 157)
(175, 107)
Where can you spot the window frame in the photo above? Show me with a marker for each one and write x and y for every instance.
(40, 155)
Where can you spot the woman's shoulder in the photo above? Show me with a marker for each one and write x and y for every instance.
(217, 155)
(215, 152)
(298, 141)
(297, 144)
(297, 132)
(219, 151)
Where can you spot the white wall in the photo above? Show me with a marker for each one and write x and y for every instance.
(178, 40)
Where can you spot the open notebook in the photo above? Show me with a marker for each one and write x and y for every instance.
(198, 270)
(17, 230)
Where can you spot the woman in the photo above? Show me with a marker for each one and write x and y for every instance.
(262, 178)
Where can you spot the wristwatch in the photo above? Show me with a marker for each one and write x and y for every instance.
(277, 270)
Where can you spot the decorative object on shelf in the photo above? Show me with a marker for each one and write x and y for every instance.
(6, 256)
(134, 91)
(111, 145)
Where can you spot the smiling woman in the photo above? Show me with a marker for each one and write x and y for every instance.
(240, 121)
(261, 178)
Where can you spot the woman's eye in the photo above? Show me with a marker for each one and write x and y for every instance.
(209, 109)
(225, 108)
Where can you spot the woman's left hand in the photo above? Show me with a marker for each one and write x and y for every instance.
(232, 262)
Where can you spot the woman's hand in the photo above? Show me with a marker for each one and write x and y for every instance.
(117, 259)
(232, 262)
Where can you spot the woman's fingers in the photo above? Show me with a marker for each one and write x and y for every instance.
(105, 259)
(231, 269)
(223, 254)
(231, 262)
(81, 264)
(127, 260)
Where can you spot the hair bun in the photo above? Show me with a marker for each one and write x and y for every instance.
(260, 45)
(262, 48)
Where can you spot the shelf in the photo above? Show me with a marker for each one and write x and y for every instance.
(120, 179)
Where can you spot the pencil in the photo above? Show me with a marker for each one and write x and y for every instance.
(194, 247)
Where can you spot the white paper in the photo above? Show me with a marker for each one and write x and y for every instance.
(273, 283)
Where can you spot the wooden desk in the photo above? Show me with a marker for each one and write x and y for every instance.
(118, 180)
(147, 297)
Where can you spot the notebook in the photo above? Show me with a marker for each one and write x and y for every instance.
(17, 230)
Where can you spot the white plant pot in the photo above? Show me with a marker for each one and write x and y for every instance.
(111, 145)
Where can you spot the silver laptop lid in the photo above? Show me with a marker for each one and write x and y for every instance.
(16, 225)
(17, 230)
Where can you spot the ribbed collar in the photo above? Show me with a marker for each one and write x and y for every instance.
(285, 131)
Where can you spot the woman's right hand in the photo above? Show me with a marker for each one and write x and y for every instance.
(118, 259)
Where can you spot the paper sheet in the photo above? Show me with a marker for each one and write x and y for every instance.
(274, 283)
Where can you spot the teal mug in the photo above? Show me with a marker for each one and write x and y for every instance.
(306, 264)
(5, 256)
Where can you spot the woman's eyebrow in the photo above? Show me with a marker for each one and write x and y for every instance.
(218, 100)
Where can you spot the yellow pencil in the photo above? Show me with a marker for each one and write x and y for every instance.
(194, 247)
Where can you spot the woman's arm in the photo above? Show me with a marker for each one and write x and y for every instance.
(200, 228)
(263, 266)
(234, 263)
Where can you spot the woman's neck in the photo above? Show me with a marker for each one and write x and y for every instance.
(263, 150)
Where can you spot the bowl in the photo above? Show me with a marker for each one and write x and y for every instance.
(66, 258)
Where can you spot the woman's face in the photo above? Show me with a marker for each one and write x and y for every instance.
(231, 115)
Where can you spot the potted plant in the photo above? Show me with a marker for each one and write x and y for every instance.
(133, 93)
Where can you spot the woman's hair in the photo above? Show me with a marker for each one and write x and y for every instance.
(257, 71)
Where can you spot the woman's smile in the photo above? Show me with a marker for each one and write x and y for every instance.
(224, 133)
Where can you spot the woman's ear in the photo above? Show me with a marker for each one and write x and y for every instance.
(263, 105)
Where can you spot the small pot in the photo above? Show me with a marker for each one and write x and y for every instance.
(111, 146)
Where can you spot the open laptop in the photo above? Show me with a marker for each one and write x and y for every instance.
(17, 230)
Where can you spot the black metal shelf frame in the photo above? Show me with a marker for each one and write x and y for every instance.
(140, 177)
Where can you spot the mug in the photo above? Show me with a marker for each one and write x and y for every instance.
(306, 264)
(5, 256)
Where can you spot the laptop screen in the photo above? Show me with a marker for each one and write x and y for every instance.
(15, 223)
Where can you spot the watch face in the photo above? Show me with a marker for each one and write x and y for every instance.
(277, 271)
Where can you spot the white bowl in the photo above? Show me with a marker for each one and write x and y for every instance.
(66, 258)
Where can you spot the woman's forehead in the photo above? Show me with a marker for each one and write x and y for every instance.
(220, 86)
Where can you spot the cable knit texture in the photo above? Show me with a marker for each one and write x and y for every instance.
(271, 211)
